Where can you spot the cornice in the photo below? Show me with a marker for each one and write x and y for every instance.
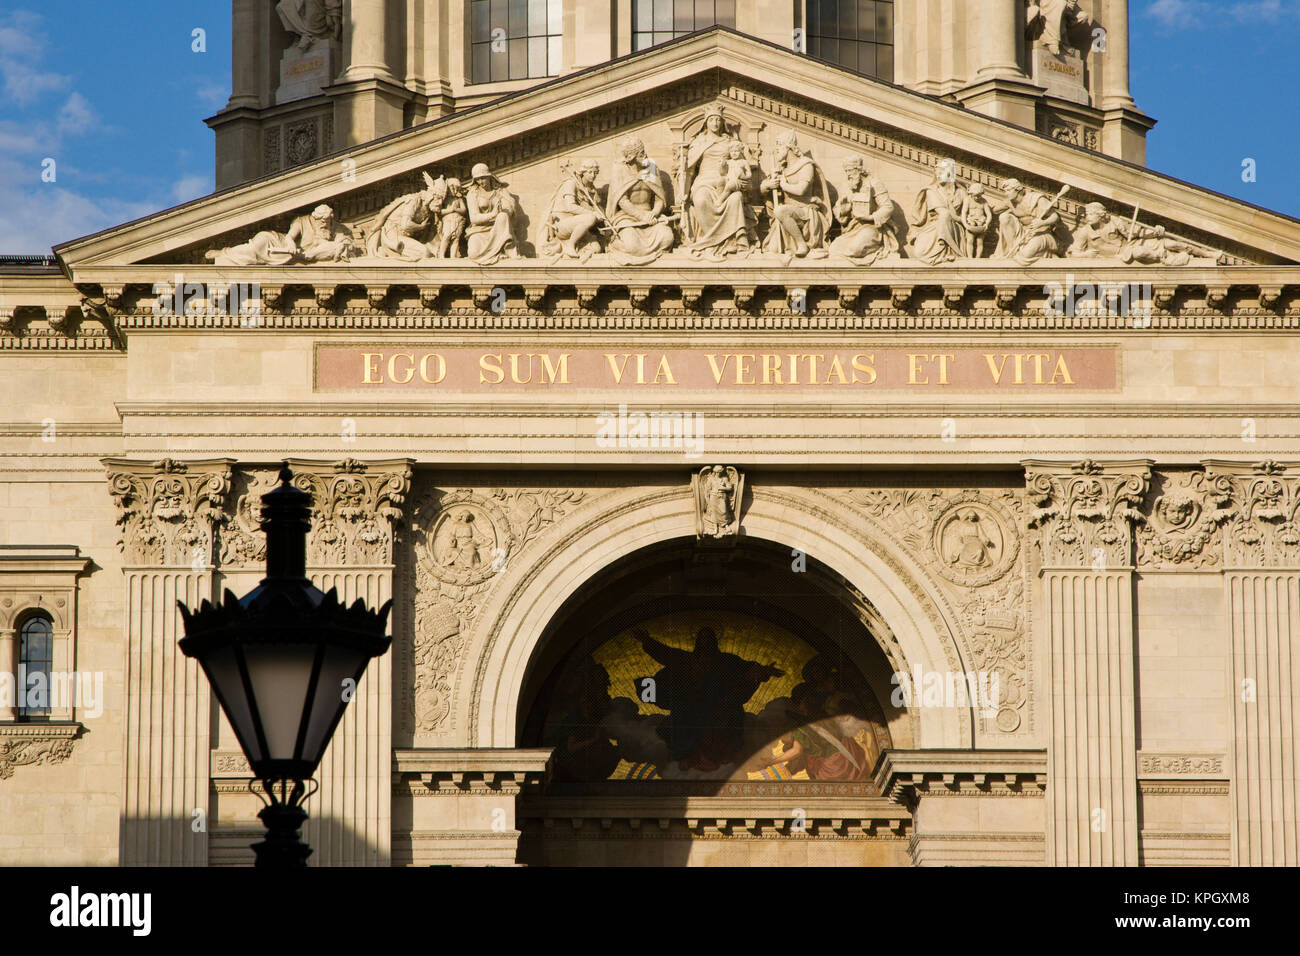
(907, 775)
(725, 57)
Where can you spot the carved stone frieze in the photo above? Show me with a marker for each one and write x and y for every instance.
(1185, 513)
(1086, 511)
(1262, 502)
(463, 541)
(168, 510)
(970, 540)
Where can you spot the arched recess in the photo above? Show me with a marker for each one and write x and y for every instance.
(912, 630)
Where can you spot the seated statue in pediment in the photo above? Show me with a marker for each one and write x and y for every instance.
(799, 202)
(939, 233)
(576, 215)
(864, 213)
(316, 237)
(718, 186)
(1027, 223)
(635, 208)
(493, 218)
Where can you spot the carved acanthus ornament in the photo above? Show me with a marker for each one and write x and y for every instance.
(1262, 502)
(355, 508)
(464, 540)
(1086, 512)
(168, 511)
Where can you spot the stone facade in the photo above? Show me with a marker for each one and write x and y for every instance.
(888, 379)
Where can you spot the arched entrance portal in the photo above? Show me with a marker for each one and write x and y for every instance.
(712, 704)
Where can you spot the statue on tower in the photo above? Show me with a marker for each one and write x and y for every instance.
(312, 20)
(1059, 26)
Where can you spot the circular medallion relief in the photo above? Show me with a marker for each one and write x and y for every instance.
(469, 541)
(974, 542)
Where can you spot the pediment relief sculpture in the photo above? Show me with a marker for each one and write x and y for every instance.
(721, 202)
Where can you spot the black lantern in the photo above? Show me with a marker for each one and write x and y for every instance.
(284, 662)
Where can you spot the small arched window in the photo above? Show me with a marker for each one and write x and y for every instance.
(35, 667)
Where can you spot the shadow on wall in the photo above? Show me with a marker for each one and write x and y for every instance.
(197, 841)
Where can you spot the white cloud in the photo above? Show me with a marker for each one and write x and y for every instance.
(191, 187)
(36, 215)
(22, 49)
(211, 95)
(1203, 13)
(77, 117)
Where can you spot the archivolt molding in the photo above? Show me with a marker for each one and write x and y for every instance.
(518, 609)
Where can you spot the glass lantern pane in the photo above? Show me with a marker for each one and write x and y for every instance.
(280, 677)
(328, 706)
(228, 684)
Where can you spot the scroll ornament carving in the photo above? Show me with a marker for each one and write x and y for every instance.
(167, 512)
(32, 744)
(1086, 515)
(354, 511)
(1184, 521)
(719, 203)
(1263, 527)
(464, 540)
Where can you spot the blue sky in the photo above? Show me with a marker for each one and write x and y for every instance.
(115, 94)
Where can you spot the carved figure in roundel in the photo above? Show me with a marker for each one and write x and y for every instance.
(974, 542)
(469, 541)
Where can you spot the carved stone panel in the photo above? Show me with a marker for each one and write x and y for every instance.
(1086, 511)
(462, 542)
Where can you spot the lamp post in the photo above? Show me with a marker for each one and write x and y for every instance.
(284, 661)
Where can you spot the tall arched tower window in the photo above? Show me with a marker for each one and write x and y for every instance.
(658, 21)
(855, 34)
(35, 667)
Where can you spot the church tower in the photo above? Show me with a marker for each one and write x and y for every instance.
(311, 77)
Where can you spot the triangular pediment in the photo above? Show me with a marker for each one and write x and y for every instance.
(531, 140)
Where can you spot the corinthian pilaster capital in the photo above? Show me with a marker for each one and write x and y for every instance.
(167, 510)
(1086, 511)
(356, 507)
(1263, 504)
